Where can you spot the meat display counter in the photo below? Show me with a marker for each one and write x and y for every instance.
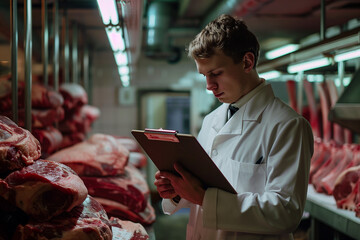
(323, 210)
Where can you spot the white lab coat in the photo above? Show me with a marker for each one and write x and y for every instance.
(271, 194)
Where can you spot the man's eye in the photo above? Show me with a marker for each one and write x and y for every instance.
(215, 74)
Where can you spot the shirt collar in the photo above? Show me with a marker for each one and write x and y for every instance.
(248, 96)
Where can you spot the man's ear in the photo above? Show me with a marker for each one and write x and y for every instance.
(249, 61)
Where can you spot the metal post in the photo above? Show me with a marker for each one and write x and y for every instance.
(28, 57)
(14, 58)
(300, 81)
(45, 41)
(323, 21)
(86, 67)
(341, 73)
(56, 45)
(65, 29)
(74, 55)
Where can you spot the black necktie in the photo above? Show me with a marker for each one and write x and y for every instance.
(232, 110)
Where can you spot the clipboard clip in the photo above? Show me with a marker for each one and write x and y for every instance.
(161, 135)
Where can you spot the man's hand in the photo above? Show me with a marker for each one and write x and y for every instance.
(186, 185)
(163, 186)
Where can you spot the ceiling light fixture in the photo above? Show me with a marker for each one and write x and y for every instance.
(121, 58)
(312, 64)
(270, 75)
(281, 51)
(347, 55)
(116, 40)
(125, 80)
(124, 70)
(108, 11)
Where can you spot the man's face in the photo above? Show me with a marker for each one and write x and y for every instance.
(226, 79)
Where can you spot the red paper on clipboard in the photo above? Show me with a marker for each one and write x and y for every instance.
(165, 147)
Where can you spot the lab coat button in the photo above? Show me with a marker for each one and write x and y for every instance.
(214, 152)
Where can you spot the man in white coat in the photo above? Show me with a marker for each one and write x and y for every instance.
(263, 149)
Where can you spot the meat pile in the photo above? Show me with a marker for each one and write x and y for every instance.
(46, 109)
(102, 162)
(334, 168)
(43, 199)
(78, 114)
(68, 108)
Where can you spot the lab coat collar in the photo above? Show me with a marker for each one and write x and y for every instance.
(251, 111)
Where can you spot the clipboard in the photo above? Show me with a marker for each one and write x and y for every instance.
(165, 147)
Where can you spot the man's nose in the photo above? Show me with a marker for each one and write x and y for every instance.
(210, 84)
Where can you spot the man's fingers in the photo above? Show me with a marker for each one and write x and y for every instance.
(181, 170)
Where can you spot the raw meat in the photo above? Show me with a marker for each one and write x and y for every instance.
(127, 230)
(129, 189)
(129, 143)
(137, 159)
(83, 222)
(115, 209)
(100, 155)
(70, 139)
(346, 188)
(325, 109)
(50, 139)
(18, 147)
(74, 95)
(320, 156)
(337, 129)
(314, 111)
(44, 189)
(44, 98)
(291, 89)
(336, 156)
(40, 118)
(10, 218)
(347, 161)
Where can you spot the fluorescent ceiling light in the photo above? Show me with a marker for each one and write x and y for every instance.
(347, 55)
(278, 52)
(124, 70)
(125, 80)
(115, 38)
(270, 75)
(121, 58)
(301, 67)
(108, 11)
(346, 81)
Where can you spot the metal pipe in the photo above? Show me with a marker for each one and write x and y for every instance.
(28, 56)
(56, 45)
(65, 29)
(323, 21)
(45, 41)
(74, 54)
(14, 58)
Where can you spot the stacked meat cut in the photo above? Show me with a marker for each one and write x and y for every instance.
(335, 163)
(46, 109)
(102, 162)
(43, 199)
(78, 114)
(59, 119)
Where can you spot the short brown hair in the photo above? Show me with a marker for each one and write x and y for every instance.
(228, 34)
